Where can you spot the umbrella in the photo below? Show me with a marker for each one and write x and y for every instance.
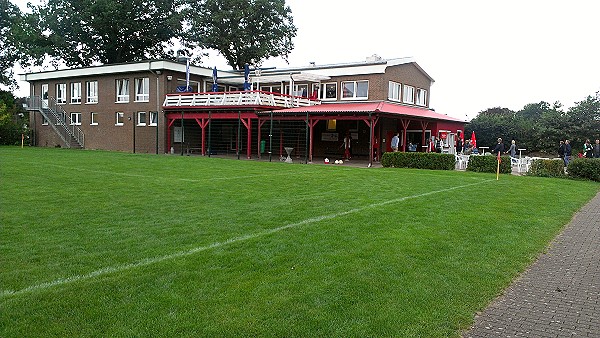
(473, 140)
(215, 87)
(246, 77)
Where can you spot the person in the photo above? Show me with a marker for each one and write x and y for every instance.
(499, 147)
(459, 145)
(513, 149)
(567, 152)
(347, 143)
(588, 149)
(597, 149)
(561, 150)
(395, 142)
(468, 147)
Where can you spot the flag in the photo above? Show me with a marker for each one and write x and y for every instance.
(473, 140)
(498, 167)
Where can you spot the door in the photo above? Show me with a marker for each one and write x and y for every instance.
(44, 95)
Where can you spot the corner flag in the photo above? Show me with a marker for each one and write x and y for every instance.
(498, 169)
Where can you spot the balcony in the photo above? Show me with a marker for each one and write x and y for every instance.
(249, 99)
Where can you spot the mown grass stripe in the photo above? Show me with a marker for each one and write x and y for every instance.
(154, 260)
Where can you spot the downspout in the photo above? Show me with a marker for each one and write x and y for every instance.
(157, 101)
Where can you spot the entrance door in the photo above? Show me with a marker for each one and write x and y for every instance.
(44, 94)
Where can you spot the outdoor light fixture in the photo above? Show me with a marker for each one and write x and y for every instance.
(169, 77)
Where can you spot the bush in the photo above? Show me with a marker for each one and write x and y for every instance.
(489, 164)
(547, 168)
(585, 168)
(433, 161)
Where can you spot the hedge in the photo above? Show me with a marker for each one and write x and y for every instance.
(432, 161)
(547, 168)
(489, 164)
(584, 168)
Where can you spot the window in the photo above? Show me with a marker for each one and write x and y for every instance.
(141, 121)
(61, 93)
(75, 92)
(271, 89)
(153, 118)
(421, 97)
(408, 94)
(44, 121)
(91, 91)
(60, 118)
(355, 90)
(119, 119)
(123, 90)
(394, 91)
(45, 91)
(330, 91)
(76, 119)
(94, 119)
(142, 89)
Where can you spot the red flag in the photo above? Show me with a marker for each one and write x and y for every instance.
(499, 160)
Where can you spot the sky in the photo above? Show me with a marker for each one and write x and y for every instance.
(481, 54)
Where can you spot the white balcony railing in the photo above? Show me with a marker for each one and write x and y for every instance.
(246, 98)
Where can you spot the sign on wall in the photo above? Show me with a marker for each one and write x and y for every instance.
(177, 135)
(330, 137)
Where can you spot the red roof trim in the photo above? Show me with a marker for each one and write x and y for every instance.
(366, 107)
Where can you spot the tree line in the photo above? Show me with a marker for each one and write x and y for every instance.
(539, 127)
(80, 33)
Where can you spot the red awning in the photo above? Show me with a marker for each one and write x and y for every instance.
(368, 107)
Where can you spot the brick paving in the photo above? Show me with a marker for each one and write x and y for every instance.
(559, 294)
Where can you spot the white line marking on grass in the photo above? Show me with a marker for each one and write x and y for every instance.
(153, 260)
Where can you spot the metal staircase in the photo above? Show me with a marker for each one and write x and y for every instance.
(61, 122)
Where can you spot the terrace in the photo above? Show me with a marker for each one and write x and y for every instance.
(250, 99)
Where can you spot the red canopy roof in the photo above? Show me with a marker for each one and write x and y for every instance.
(367, 107)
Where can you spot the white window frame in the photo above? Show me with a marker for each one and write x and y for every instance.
(142, 115)
(75, 119)
(394, 91)
(142, 89)
(61, 93)
(91, 92)
(93, 119)
(119, 118)
(408, 94)
(75, 92)
(122, 90)
(354, 90)
(153, 119)
(421, 97)
(324, 92)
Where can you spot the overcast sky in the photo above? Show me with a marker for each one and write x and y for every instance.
(481, 54)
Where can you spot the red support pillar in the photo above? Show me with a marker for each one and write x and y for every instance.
(203, 123)
(260, 124)
(423, 128)
(169, 124)
(311, 124)
(405, 124)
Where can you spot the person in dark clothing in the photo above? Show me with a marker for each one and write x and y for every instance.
(588, 149)
(561, 150)
(567, 152)
(597, 149)
(499, 147)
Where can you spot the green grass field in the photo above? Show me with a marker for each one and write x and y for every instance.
(112, 244)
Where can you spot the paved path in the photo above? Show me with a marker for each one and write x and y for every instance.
(559, 295)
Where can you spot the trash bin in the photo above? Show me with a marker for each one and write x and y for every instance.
(263, 143)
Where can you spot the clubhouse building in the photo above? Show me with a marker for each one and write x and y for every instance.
(306, 112)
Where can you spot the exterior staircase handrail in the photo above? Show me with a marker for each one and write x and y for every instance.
(64, 126)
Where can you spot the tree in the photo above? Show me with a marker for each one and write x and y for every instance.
(243, 31)
(84, 32)
(12, 120)
(10, 15)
